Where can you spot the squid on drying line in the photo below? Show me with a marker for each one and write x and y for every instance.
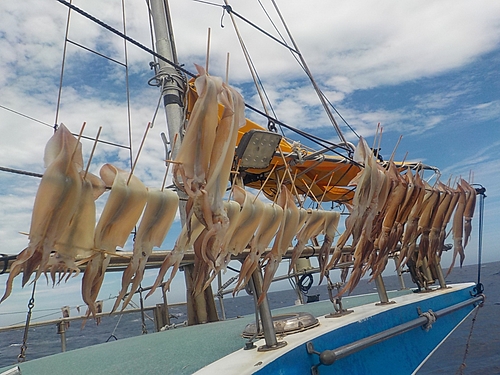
(385, 242)
(360, 203)
(161, 207)
(458, 226)
(193, 158)
(312, 227)
(205, 272)
(411, 196)
(446, 196)
(430, 203)
(174, 258)
(77, 241)
(233, 209)
(249, 218)
(121, 212)
(284, 236)
(410, 234)
(364, 242)
(331, 222)
(56, 202)
(470, 206)
(219, 169)
(446, 220)
(268, 225)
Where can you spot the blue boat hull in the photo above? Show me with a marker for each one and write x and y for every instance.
(402, 354)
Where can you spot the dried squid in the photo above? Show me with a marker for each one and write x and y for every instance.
(120, 214)
(161, 207)
(286, 232)
(55, 204)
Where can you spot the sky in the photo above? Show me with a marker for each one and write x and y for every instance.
(426, 70)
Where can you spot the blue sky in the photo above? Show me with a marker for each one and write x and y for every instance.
(427, 70)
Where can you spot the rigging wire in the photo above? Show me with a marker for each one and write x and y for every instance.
(297, 56)
(62, 66)
(52, 126)
(127, 86)
(126, 37)
(31, 304)
(26, 116)
(248, 59)
(313, 81)
(317, 140)
(153, 53)
(261, 91)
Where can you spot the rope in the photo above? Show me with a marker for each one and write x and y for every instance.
(431, 319)
(112, 336)
(311, 78)
(22, 356)
(467, 345)
(144, 329)
(52, 126)
(304, 288)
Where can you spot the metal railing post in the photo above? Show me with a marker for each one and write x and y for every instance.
(61, 330)
(265, 315)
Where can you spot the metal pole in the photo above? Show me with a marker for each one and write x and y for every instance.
(165, 310)
(328, 357)
(220, 296)
(265, 315)
(172, 82)
(402, 284)
(427, 273)
(382, 292)
(61, 329)
(439, 271)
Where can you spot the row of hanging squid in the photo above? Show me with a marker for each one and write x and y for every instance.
(389, 209)
(401, 212)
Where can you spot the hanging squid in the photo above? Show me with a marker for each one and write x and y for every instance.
(161, 207)
(268, 225)
(120, 214)
(56, 202)
(77, 241)
(284, 236)
(192, 161)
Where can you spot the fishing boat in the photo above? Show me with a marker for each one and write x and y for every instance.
(246, 193)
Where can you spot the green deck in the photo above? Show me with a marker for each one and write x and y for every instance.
(178, 351)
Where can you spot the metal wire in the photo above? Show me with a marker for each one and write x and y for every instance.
(31, 304)
(62, 66)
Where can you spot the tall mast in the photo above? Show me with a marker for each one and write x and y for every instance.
(172, 82)
(201, 308)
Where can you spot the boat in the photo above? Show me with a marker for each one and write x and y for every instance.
(344, 334)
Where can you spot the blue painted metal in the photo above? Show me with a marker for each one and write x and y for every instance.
(402, 354)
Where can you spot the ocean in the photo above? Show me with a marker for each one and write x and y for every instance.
(475, 343)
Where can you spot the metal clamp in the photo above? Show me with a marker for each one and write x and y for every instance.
(326, 357)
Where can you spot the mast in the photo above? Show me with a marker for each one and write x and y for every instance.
(172, 82)
(201, 309)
